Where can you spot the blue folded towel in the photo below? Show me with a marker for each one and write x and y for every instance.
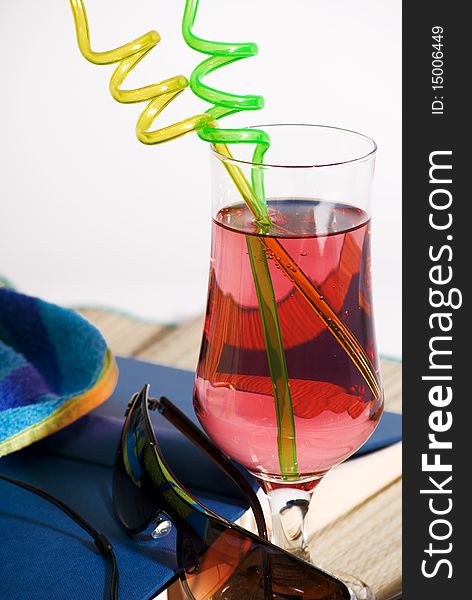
(54, 367)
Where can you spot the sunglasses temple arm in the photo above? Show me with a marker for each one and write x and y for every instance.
(189, 429)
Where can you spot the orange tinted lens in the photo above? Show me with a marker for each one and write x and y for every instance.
(217, 565)
(235, 567)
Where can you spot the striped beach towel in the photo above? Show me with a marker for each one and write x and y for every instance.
(54, 367)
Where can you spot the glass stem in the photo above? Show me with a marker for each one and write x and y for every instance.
(289, 509)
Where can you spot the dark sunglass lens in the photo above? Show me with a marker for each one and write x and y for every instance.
(133, 499)
(234, 566)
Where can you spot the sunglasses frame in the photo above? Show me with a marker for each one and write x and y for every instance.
(181, 422)
(142, 401)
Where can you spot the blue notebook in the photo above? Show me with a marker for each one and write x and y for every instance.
(43, 554)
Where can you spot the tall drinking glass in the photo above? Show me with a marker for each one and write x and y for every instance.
(288, 379)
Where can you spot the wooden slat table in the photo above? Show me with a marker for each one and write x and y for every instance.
(365, 541)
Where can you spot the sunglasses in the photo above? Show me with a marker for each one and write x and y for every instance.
(216, 559)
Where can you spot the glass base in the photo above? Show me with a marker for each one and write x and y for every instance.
(289, 507)
(359, 590)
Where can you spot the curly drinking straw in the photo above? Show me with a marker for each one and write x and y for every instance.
(223, 54)
(260, 247)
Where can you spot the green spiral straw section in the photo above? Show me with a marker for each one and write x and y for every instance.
(222, 54)
(224, 104)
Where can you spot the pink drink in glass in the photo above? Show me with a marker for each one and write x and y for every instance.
(334, 409)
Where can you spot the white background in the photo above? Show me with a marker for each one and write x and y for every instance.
(89, 216)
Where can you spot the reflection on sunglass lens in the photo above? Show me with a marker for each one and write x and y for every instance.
(235, 567)
(132, 493)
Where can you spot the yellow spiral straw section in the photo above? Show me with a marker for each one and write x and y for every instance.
(158, 95)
